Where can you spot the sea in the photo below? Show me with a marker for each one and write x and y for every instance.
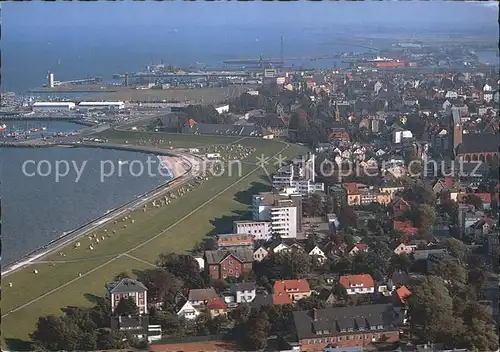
(38, 209)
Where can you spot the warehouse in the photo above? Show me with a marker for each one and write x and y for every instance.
(93, 105)
(53, 106)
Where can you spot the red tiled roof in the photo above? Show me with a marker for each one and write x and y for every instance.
(405, 226)
(191, 122)
(361, 246)
(291, 286)
(401, 293)
(281, 298)
(365, 280)
(216, 303)
(351, 188)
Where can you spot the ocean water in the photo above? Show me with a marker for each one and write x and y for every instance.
(38, 209)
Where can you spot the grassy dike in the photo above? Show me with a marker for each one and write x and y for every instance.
(173, 228)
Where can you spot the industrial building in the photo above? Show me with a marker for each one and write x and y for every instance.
(53, 106)
(94, 105)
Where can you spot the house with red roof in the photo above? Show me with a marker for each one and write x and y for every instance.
(281, 298)
(357, 248)
(400, 207)
(190, 123)
(216, 306)
(401, 293)
(405, 226)
(357, 284)
(295, 289)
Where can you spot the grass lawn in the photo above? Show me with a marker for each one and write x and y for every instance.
(181, 235)
(177, 140)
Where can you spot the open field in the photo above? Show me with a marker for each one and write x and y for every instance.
(174, 140)
(176, 227)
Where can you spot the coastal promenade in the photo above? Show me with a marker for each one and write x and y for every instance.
(178, 181)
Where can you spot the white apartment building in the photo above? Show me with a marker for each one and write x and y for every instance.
(300, 175)
(283, 210)
(261, 230)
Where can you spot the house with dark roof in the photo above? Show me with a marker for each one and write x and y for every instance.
(234, 262)
(135, 325)
(244, 292)
(358, 326)
(479, 146)
(125, 289)
(200, 296)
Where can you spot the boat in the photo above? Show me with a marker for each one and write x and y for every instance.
(121, 162)
(3, 127)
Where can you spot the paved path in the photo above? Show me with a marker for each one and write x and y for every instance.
(145, 242)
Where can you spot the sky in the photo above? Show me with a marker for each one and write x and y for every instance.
(302, 13)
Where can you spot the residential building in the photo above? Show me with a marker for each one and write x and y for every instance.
(295, 289)
(259, 254)
(260, 230)
(243, 292)
(200, 297)
(357, 284)
(226, 241)
(405, 248)
(347, 326)
(400, 207)
(493, 245)
(405, 226)
(284, 210)
(125, 289)
(216, 306)
(299, 175)
(318, 254)
(357, 248)
(188, 311)
(235, 262)
(135, 325)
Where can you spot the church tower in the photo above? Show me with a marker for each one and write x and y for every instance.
(337, 112)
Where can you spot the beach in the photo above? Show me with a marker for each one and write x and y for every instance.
(177, 166)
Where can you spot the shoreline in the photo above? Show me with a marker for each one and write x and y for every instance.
(66, 238)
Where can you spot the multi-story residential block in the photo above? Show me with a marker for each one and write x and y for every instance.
(125, 289)
(233, 262)
(234, 240)
(357, 284)
(358, 326)
(260, 230)
(283, 210)
(299, 175)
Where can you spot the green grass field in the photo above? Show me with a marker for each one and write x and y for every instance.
(217, 202)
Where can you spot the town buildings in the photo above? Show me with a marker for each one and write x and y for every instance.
(125, 289)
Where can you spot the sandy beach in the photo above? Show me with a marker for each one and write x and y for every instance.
(175, 164)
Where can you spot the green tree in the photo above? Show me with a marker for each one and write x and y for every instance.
(474, 200)
(430, 310)
(258, 329)
(451, 270)
(184, 266)
(162, 286)
(311, 302)
(425, 216)
(108, 339)
(55, 333)
(455, 247)
(122, 275)
(479, 329)
(293, 265)
(126, 306)
(420, 193)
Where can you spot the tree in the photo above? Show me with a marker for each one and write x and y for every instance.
(313, 205)
(420, 193)
(399, 236)
(347, 216)
(122, 275)
(450, 207)
(293, 265)
(162, 285)
(311, 302)
(430, 310)
(479, 332)
(451, 270)
(184, 266)
(126, 306)
(455, 247)
(401, 262)
(258, 329)
(101, 313)
(55, 333)
(474, 200)
(108, 339)
(424, 216)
